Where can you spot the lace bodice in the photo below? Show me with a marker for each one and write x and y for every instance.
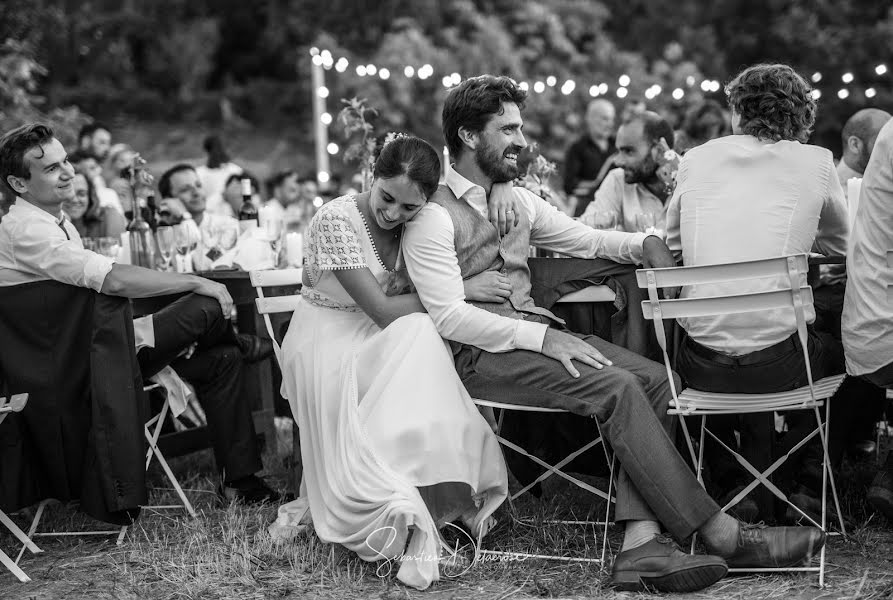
(338, 238)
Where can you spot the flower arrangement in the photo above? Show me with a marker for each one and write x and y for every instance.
(536, 178)
(354, 118)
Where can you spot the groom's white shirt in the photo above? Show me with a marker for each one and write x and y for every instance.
(430, 254)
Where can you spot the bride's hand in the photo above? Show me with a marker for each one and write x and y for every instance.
(489, 286)
(503, 207)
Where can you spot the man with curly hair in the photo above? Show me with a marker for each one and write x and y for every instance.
(761, 192)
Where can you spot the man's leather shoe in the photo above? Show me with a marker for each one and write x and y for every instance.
(773, 547)
(253, 348)
(250, 490)
(880, 494)
(661, 566)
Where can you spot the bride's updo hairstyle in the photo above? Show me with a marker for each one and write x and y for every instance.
(410, 156)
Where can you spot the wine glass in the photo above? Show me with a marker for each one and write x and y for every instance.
(273, 229)
(183, 243)
(165, 238)
(607, 220)
(649, 222)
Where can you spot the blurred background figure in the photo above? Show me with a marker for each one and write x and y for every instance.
(227, 204)
(703, 122)
(120, 157)
(299, 212)
(282, 190)
(96, 139)
(858, 137)
(89, 164)
(633, 107)
(585, 158)
(218, 168)
(86, 214)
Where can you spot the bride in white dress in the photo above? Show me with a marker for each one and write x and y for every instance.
(392, 445)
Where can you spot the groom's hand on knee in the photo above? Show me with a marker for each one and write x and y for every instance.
(566, 348)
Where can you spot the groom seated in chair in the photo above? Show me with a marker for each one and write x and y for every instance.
(193, 334)
(515, 342)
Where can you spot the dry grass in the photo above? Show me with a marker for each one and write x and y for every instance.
(225, 553)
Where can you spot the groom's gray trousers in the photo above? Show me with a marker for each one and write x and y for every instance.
(629, 399)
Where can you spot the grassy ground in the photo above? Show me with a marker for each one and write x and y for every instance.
(225, 553)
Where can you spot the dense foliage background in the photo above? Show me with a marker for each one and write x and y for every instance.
(189, 65)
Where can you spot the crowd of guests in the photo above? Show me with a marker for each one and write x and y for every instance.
(392, 271)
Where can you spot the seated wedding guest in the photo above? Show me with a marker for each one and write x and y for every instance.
(585, 158)
(183, 197)
(95, 139)
(230, 201)
(393, 446)
(88, 217)
(759, 193)
(868, 310)
(89, 164)
(120, 158)
(703, 122)
(858, 138)
(214, 173)
(514, 342)
(282, 190)
(192, 334)
(635, 187)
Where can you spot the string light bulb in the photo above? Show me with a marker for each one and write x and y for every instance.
(870, 93)
(384, 74)
(847, 78)
(880, 69)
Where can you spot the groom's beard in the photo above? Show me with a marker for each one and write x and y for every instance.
(493, 164)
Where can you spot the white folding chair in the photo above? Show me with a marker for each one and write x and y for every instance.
(16, 404)
(790, 272)
(152, 432)
(277, 304)
(595, 293)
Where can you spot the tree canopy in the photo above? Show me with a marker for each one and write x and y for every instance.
(207, 60)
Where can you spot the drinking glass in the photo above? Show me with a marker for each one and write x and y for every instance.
(165, 238)
(273, 230)
(112, 245)
(649, 222)
(183, 243)
(89, 244)
(608, 220)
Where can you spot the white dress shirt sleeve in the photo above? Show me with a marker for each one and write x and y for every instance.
(608, 197)
(430, 254)
(42, 249)
(554, 230)
(834, 222)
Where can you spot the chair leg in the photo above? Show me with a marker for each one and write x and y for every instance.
(20, 535)
(170, 475)
(33, 528)
(827, 472)
(13, 567)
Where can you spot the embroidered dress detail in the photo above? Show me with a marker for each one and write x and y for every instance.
(371, 239)
(317, 299)
(333, 243)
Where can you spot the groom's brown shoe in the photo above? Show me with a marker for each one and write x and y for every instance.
(773, 547)
(661, 566)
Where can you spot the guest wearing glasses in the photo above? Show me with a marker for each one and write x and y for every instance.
(193, 334)
(759, 193)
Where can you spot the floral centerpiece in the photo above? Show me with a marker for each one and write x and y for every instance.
(537, 176)
(354, 118)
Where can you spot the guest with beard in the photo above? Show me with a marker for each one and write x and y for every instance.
(634, 187)
(511, 341)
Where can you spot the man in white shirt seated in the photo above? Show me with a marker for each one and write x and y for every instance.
(514, 342)
(867, 321)
(758, 193)
(183, 197)
(193, 334)
(634, 187)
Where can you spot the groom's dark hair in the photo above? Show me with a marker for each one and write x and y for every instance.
(473, 102)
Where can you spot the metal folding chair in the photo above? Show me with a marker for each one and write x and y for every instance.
(153, 432)
(267, 306)
(595, 293)
(16, 404)
(793, 293)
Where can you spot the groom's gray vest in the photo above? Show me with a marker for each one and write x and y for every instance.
(478, 249)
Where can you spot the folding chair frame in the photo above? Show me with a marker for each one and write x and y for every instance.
(792, 270)
(16, 404)
(554, 470)
(152, 431)
(591, 294)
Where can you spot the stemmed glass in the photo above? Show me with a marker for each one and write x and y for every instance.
(165, 238)
(649, 223)
(184, 243)
(274, 230)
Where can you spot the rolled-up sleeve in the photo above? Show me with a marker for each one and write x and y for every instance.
(43, 250)
(430, 254)
(554, 230)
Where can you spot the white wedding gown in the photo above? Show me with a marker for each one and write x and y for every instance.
(390, 439)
